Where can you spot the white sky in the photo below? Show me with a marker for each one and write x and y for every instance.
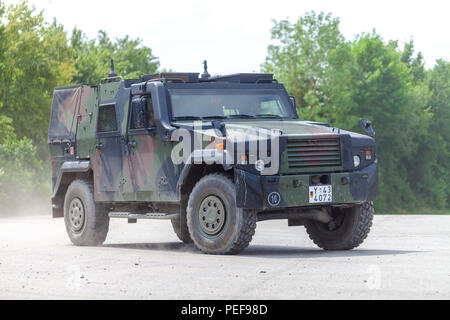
(233, 34)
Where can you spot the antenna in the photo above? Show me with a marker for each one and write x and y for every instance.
(112, 73)
(205, 74)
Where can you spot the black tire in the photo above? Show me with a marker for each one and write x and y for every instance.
(91, 230)
(348, 229)
(237, 226)
(180, 228)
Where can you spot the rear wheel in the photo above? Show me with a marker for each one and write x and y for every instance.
(87, 223)
(347, 230)
(215, 224)
(180, 228)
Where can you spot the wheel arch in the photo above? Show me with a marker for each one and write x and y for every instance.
(70, 171)
(192, 173)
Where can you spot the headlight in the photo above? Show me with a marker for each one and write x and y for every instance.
(356, 161)
(259, 165)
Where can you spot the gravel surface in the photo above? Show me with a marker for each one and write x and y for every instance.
(405, 257)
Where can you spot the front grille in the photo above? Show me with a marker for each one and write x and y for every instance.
(309, 153)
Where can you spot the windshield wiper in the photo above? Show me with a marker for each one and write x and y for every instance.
(187, 118)
(214, 117)
(244, 116)
(268, 115)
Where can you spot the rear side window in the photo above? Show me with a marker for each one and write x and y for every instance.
(107, 118)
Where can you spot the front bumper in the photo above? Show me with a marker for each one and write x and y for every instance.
(273, 192)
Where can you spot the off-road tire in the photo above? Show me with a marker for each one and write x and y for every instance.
(350, 234)
(180, 228)
(95, 225)
(238, 227)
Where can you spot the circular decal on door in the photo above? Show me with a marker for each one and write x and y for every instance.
(274, 199)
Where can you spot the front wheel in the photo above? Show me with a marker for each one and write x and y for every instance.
(87, 223)
(348, 229)
(215, 224)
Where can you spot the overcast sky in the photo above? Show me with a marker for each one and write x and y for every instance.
(233, 34)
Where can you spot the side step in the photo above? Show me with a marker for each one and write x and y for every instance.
(157, 215)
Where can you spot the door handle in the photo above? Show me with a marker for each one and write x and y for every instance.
(99, 145)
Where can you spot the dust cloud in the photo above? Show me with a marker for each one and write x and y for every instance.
(26, 204)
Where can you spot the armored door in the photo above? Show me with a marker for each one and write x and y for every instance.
(153, 173)
(109, 181)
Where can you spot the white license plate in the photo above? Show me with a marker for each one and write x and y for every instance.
(320, 194)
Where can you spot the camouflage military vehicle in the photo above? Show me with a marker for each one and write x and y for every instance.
(246, 157)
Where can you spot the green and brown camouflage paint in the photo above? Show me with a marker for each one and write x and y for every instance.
(136, 166)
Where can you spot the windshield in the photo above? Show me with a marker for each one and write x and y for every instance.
(214, 104)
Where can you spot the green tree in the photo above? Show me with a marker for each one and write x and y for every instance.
(6, 127)
(340, 82)
(384, 92)
(439, 135)
(5, 122)
(131, 59)
(416, 64)
(35, 58)
(314, 61)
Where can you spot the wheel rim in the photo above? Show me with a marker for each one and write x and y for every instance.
(212, 215)
(76, 215)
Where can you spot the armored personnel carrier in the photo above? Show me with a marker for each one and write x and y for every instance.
(212, 154)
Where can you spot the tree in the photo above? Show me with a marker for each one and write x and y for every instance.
(416, 64)
(439, 134)
(6, 127)
(5, 122)
(35, 58)
(384, 92)
(313, 60)
(340, 82)
(131, 59)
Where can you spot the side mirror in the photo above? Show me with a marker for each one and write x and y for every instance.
(140, 113)
(367, 127)
(294, 104)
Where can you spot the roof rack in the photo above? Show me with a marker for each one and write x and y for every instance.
(168, 80)
(191, 77)
(171, 77)
(245, 78)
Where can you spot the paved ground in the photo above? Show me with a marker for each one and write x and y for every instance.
(404, 257)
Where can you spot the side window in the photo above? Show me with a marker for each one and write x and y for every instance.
(107, 118)
(142, 115)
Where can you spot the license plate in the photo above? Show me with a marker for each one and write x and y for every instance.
(320, 194)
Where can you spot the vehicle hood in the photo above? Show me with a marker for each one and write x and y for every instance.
(237, 129)
(295, 129)
(289, 128)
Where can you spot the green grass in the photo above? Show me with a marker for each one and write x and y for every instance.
(406, 212)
